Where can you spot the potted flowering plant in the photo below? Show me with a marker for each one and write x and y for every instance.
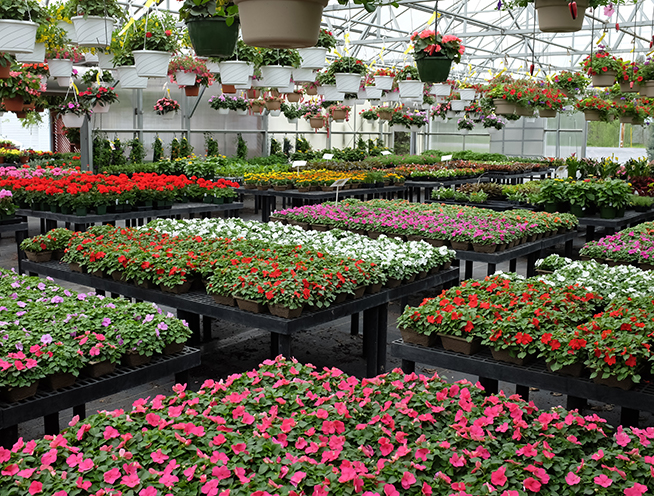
(570, 83)
(277, 66)
(73, 113)
(291, 112)
(190, 73)
(239, 67)
(94, 20)
(20, 87)
(312, 112)
(315, 57)
(212, 26)
(409, 83)
(492, 123)
(165, 106)
(152, 39)
(273, 103)
(19, 21)
(347, 72)
(370, 114)
(222, 104)
(434, 54)
(633, 113)
(97, 76)
(465, 125)
(548, 101)
(596, 109)
(339, 113)
(629, 77)
(412, 120)
(384, 78)
(98, 99)
(602, 67)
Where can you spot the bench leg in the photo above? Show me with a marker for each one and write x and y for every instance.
(490, 270)
(468, 269)
(490, 385)
(206, 329)
(354, 324)
(182, 377)
(408, 366)
(193, 320)
(513, 264)
(576, 403)
(522, 391)
(382, 338)
(80, 410)
(51, 423)
(629, 417)
(280, 344)
(371, 334)
(9, 435)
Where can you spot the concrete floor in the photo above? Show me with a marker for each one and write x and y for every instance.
(236, 348)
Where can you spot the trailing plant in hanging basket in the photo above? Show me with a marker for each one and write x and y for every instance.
(573, 83)
(347, 65)
(166, 105)
(434, 54)
(102, 96)
(190, 65)
(284, 57)
(156, 32)
(74, 107)
(600, 63)
(408, 73)
(93, 76)
(465, 123)
(339, 112)
(369, 114)
(291, 111)
(99, 8)
(492, 122)
(605, 109)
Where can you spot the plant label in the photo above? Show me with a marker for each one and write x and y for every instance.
(328, 156)
(339, 183)
(445, 158)
(385, 152)
(299, 163)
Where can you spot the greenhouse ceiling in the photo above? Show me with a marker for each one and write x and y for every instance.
(496, 40)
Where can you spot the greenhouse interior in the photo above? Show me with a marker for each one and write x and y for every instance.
(322, 248)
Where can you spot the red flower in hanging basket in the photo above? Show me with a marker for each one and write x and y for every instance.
(148, 34)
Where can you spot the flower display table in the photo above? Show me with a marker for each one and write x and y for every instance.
(48, 404)
(79, 223)
(497, 205)
(535, 374)
(191, 306)
(631, 218)
(268, 198)
(530, 250)
(415, 187)
(19, 227)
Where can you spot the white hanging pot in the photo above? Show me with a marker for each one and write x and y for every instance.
(64, 82)
(105, 61)
(348, 83)
(70, 30)
(35, 57)
(275, 113)
(130, 80)
(223, 111)
(349, 102)
(151, 63)
(60, 67)
(234, 72)
(185, 78)
(450, 114)
(467, 95)
(257, 83)
(410, 89)
(464, 131)
(241, 112)
(72, 120)
(393, 96)
(373, 93)
(213, 67)
(440, 99)
(304, 75)
(290, 88)
(441, 90)
(362, 94)
(415, 129)
(93, 31)
(492, 130)
(383, 82)
(313, 58)
(292, 121)
(245, 86)
(275, 76)
(457, 105)
(100, 109)
(17, 36)
(330, 93)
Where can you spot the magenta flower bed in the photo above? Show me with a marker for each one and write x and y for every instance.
(288, 429)
(634, 245)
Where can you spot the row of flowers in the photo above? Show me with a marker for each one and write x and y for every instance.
(555, 319)
(629, 246)
(86, 190)
(49, 331)
(309, 179)
(220, 439)
(271, 265)
(436, 224)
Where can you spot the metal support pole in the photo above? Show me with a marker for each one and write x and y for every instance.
(138, 115)
(584, 140)
(412, 144)
(266, 145)
(86, 145)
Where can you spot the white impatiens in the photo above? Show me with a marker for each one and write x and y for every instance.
(609, 282)
(398, 259)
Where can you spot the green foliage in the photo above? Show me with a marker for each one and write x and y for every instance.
(211, 145)
(118, 156)
(275, 147)
(157, 150)
(137, 152)
(21, 10)
(288, 148)
(185, 148)
(174, 149)
(102, 152)
(302, 145)
(101, 8)
(241, 147)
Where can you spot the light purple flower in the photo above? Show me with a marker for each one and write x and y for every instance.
(46, 339)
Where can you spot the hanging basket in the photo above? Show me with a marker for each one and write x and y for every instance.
(223, 111)
(626, 119)
(592, 115)
(234, 72)
(457, 105)
(70, 30)
(391, 96)
(130, 80)
(604, 80)
(213, 67)
(547, 113)
(316, 122)
(185, 78)
(151, 63)
(464, 131)
(294, 97)
(17, 36)
(554, 16)
(93, 31)
(339, 115)
(347, 82)
(502, 107)
(280, 23)
(373, 93)
(434, 69)
(60, 68)
(626, 87)
(35, 57)
(441, 90)
(229, 89)
(467, 95)
(192, 90)
(101, 109)
(275, 76)
(105, 61)
(524, 111)
(313, 58)
(273, 105)
(331, 93)
(384, 82)
(14, 104)
(304, 75)
(385, 115)
(410, 89)
(212, 37)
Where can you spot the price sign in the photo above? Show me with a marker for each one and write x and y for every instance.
(385, 152)
(445, 158)
(328, 156)
(297, 164)
(339, 183)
